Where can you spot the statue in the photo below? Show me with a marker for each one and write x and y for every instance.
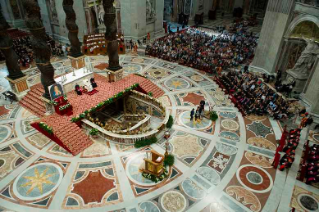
(150, 11)
(7, 50)
(110, 34)
(73, 28)
(41, 50)
(307, 58)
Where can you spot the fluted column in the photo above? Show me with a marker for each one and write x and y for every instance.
(39, 44)
(73, 28)
(110, 34)
(7, 50)
(271, 38)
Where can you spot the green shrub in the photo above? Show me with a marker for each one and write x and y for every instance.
(46, 128)
(169, 160)
(170, 122)
(150, 94)
(213, 116)
(93, 131)
(145, 142)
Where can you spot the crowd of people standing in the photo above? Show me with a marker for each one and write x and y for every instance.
(204, 51)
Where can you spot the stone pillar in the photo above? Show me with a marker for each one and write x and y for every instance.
(73, 28)
(275, 23)
(39, 43)
(311, 91)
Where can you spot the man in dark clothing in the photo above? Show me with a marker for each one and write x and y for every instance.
(192, 114)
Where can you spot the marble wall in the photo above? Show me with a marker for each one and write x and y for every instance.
(14, 16)
(134, 21)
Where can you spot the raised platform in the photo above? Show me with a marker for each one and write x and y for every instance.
(68, 134)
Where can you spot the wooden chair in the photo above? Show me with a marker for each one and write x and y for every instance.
(153, 163)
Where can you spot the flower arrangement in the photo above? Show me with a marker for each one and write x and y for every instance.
(104, 103)
(64, 107)
(169, 160)
(65, 98)
(46, 128)
(154, 178)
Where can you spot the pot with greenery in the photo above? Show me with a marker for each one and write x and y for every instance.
(94, 133)
(213, 116)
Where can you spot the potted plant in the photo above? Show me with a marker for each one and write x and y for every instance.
(94, 132)
(213, 116)
(170, 122)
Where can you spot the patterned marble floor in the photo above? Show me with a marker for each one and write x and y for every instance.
(220, 166)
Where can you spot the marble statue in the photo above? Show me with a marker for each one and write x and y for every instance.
(307, 58)
(101, 13)
(150, 10)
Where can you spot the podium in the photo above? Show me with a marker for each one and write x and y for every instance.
(153, 163)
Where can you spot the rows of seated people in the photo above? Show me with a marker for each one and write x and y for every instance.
(290, 149)
(252, 96)
(312, 165)
(23, 48)
(205, 51)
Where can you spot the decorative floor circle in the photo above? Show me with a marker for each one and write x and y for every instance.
(256, 118)
(37, 181)
(192, 190)
(254, 178)
(4, 132)
(132, 68)
(200, 124)
(209, 174)
(133, 170)
(158, 73)
(173, 201)
(308, 202)
(261, 142)
(177, 83)
(230, 124)
(197, 78)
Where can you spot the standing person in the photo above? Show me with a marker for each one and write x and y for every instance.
(148, 37)
(197, 114)
(192, 114)
(202, 105)
(200, 111)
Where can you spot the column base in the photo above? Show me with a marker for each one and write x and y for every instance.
(48, 106)
(114, 76)
(77, 62)
(19, 86)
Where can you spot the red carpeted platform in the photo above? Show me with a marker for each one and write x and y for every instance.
(68, 134)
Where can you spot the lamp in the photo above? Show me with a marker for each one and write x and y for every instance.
(166, 136)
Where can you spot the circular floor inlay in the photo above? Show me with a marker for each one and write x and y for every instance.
(173, 201)
(197, 78)
(254, 178)
(230, 124)
(199, 124)
(37, 181)
(177, 83)
(308, 202)
(132, 68)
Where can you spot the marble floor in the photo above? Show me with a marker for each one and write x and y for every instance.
(219, 166)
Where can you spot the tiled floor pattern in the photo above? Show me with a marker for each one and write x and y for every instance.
(219, 166)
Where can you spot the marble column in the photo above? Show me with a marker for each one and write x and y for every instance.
(311, 91)
(271, 38)
(41, 50)
(7, 50)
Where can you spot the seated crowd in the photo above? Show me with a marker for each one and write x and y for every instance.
(23, 48)
(203, 51)
(252, 95)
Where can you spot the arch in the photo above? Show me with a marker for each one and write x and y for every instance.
(297, 20)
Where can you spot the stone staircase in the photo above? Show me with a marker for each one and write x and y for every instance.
(149, 86)
(32, 101)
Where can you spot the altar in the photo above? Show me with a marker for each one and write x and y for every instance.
(74, 78)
